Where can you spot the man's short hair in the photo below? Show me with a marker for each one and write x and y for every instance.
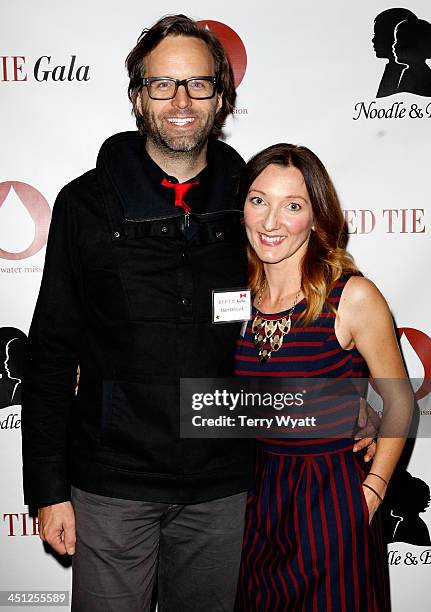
(180, 25)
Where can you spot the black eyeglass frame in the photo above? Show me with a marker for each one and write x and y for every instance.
(146, 82)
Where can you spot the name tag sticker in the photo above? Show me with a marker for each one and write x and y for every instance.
(231, 305)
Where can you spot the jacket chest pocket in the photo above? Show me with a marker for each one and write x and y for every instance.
(103, 286)
(148, 268)
(132, 279)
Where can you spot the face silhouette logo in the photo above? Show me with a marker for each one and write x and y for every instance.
(404, 40)
(421, 344)
(409, 497)
(12, 345)
(233, 46)
(38, 209)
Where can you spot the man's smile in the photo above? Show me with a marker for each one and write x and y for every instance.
(181, 121)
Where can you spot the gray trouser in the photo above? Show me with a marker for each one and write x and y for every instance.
(124, 548)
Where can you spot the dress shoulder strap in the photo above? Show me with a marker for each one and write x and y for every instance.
(336, 291)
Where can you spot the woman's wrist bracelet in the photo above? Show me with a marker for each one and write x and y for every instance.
(373, 490)
(378, 476)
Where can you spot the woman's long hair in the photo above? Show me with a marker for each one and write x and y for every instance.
(326, 258)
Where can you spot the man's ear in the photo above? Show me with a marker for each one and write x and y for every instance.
(219, 101)
(137, 102)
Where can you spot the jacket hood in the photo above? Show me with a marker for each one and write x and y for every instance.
(120, 165)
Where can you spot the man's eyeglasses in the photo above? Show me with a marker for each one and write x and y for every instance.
(165, 88)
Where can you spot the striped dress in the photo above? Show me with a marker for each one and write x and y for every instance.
(307, 543)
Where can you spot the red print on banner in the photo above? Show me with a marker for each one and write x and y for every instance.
(12, 68)
(20, 524)
(421, 344)
(39, 210)
(233, 46)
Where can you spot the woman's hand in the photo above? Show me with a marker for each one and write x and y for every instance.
(374, 489)
(373, 502)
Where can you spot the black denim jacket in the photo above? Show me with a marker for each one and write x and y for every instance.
(126, 295)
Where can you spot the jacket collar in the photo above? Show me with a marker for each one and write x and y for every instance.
(122, 166)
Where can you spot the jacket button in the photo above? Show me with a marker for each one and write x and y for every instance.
(186, 302)
(164, 229)
(219, 235)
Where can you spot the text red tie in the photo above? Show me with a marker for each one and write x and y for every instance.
(180, 191)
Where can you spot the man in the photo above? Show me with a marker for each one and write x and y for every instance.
(136, 247)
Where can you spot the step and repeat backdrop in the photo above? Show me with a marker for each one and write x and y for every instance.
(352, 81)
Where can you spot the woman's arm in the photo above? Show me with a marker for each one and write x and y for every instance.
(364, 316)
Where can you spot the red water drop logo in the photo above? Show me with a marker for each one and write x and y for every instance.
(421, 344)
(233, 46)
(39, 210)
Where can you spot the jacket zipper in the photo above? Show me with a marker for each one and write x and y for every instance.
(215, 213)
(152, 219)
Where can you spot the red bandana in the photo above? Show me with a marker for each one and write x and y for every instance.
(180, 191)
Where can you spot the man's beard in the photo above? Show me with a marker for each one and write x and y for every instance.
(168, 144)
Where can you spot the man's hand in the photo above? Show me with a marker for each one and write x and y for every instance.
(368, 424)
(57, 527)
(369, 444)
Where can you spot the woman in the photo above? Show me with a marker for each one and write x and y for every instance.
(312, 540)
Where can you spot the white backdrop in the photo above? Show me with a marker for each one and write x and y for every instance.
(321, 58)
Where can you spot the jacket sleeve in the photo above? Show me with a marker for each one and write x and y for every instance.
(50, 367)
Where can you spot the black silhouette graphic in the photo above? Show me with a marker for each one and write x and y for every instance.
(12, 343)
(409, 496)
(383, 40)
(412, 47)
